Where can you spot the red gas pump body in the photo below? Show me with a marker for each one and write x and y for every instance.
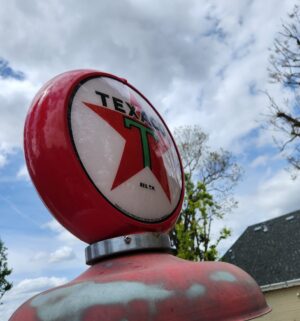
(151, 286)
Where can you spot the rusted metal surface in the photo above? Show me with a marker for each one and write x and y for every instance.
(150, 287)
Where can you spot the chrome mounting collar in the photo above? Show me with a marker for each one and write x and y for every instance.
(126, 244)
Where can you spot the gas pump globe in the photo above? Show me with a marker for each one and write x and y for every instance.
(106, 166)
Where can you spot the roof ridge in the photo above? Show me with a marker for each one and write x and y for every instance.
(297, 212)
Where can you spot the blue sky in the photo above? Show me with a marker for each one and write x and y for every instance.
(6, 71)
(199, 62)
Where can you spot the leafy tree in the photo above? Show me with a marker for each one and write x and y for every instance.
(210, 177)
(4, 271)
(285, 70)
(192, 233)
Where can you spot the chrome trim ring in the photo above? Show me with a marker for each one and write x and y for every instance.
(125, 244)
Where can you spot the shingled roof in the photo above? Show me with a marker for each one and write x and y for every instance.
(269, 251)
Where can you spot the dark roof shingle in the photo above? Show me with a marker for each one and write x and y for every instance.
(269, 251)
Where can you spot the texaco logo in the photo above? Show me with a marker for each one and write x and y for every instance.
(125, 149)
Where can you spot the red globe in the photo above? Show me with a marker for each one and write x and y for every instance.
(101, 157)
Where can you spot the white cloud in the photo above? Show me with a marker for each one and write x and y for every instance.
(15, 97)
(3, 160)
(61, 255)
(260, 161)
(32, 256)
(272, 196)
(62, 234)
(24, 290)
(40, 256)
(36, 285)
(279, 194)
(64, 253)
(196, 61)
(54, 226)
(23, 173)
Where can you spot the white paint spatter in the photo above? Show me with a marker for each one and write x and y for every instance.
(195, 291)
(223, 276)
(68, 303)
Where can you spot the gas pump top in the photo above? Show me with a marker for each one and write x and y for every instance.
(106, 166)
(101, 157)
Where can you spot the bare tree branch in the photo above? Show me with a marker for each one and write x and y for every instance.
(284, 69)
(210, 179)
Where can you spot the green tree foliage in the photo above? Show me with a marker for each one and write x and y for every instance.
(4, 271)
(284, 69)
(210, 177)
(193, 228)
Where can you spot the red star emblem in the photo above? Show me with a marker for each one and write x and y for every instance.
(141, 141)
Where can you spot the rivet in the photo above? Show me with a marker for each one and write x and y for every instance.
(127, 239)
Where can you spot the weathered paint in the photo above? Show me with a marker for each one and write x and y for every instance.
(223, 276)
(150, 287)
(70, 301)
(195, 290)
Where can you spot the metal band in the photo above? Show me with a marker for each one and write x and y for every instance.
(125, 244)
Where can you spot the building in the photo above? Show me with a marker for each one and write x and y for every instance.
(270, 253)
